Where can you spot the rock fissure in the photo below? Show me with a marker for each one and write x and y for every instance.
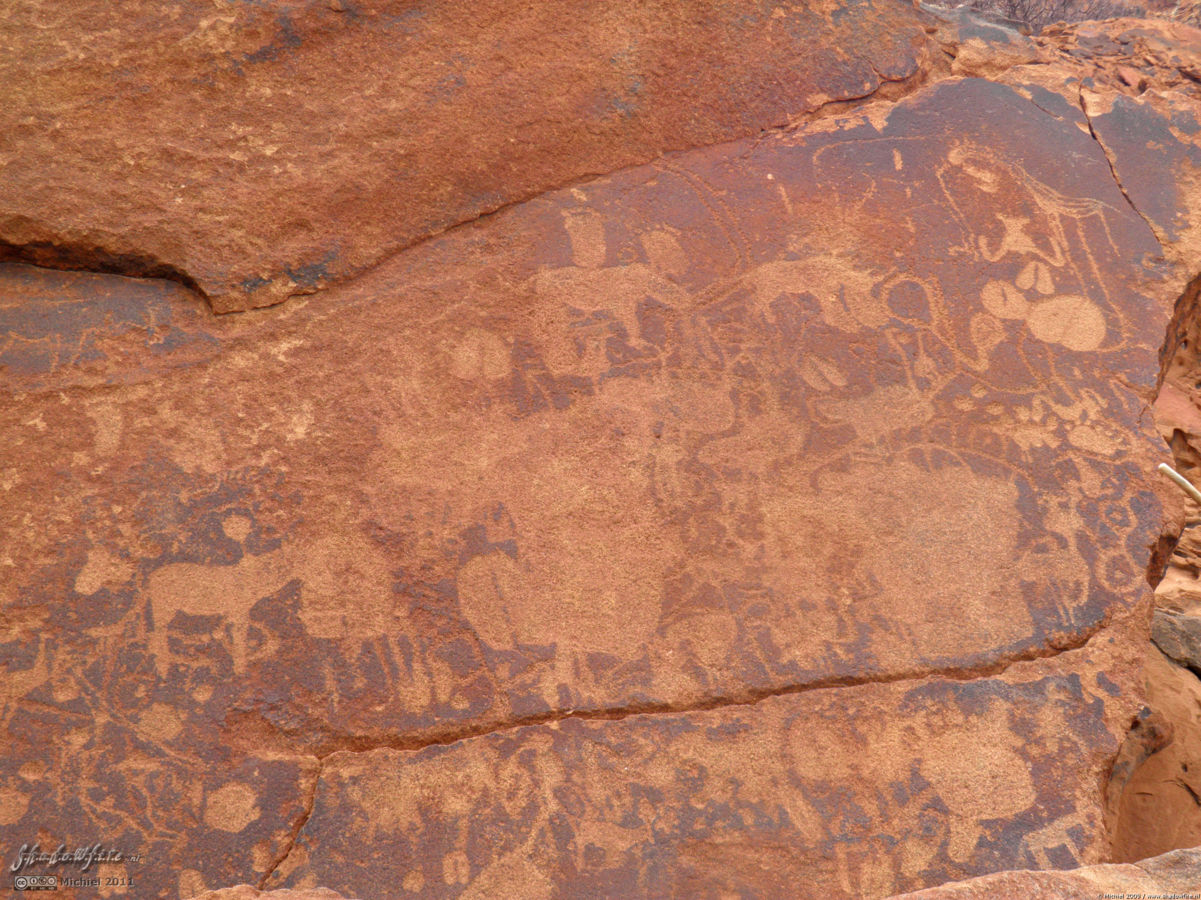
(718, 453)
(92, 257)
(255, 219)
(79, 257)
(890, 90)
(1189, 788)
(1112, 168)
(369, 745)
(365, 744)
(301, 820)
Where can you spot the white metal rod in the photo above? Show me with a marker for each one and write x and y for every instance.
(1185, 484)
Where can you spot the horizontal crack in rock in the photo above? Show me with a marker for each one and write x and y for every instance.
(364, 744)
(348, 744)
(73, 257)
(66, 254)
(889, 90)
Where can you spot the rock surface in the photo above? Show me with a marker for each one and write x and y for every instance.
(259, 151)
(1178, 636)
(1160, 808)
(773, 517)
(246, 892)
(1174, 874)
(850, 792)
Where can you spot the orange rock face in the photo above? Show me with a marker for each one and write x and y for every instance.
(1160, 809)
(848, 792)
(246, 892)
(1173, 874)
(772, 519)
(260, 151)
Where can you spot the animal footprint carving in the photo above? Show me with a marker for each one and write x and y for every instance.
(1069, 320)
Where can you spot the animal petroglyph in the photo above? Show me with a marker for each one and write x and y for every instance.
(324, 567)
(779, 502)
(1071, 320)
(845, 294)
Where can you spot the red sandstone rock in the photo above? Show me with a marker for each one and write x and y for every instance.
(1132, 77)
(246, 892)
(1176, 874)
(1178, 636)
(767, 800)
(819, 461)
(265, 150)
(1159, 810)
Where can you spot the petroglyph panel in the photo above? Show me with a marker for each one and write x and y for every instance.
(268, 150)
(841, 406)
(769, 800)
(59, 329)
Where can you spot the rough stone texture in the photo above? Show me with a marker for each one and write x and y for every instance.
(263, 150)
(807, 477)
(1150, 733)
(1172, 874)
(246, 892)
(1189, 11)
(756, 801)
(1178, 636)
(983, 46)
(1140, 94)
(1155, 118)
(1161, 804)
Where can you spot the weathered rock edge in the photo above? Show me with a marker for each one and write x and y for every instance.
(1175, 874)
(201, 177)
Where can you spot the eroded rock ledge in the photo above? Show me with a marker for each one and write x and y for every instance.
(1175, 874)
(258, 152)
